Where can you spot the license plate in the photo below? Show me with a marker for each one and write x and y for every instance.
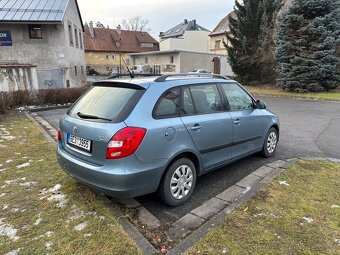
(79, 142)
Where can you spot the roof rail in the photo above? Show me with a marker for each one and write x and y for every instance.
(164, 77)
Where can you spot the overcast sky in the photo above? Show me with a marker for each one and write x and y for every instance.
(162, 14)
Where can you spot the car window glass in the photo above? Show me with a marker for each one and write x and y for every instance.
(206, 98)
(238, 99)
(188, 105)
(168, 104)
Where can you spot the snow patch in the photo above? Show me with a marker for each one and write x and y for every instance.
(48, 245)
(87, 235)
(5, 207)
(335, 206)
(8, 230)
(37, 222)
(80, 226)
(56, 195)
(283, 183)
(309, 220)
(23, 165)
(3, 169)
(337, 241)
(3, 194)
(8, 161)
(14, 252)
(248, 188)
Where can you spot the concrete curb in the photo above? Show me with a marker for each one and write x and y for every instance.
(41, 109)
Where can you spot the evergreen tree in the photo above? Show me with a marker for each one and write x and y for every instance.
(307, 38)
(252, 28)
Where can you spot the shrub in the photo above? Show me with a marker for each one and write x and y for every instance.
(10, 100)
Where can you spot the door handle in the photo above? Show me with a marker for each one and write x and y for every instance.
(196, 127)
(237, 121)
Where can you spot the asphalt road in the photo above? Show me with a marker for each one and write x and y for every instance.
(308, 129)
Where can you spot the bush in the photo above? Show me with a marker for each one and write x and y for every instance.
(10, 100)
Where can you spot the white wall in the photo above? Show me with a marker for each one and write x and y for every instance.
(198, 41)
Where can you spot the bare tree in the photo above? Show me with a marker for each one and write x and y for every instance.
(136, 23)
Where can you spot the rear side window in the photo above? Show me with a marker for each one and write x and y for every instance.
(168, 104)
(112, 103)
(206, 98)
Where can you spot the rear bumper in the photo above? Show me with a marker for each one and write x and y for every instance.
(127, 178)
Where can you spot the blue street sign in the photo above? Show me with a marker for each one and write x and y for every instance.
(5, 38)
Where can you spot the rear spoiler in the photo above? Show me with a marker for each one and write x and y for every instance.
(111, 83)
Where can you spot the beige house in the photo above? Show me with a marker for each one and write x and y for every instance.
(188, 36)
(218, 36)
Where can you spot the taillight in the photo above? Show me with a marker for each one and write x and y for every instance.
(59, 134)
(125, 142)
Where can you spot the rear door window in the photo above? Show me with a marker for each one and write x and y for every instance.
(168, 104)
(113, 103)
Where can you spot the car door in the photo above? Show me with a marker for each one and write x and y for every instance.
(209, 126)
(248, 122)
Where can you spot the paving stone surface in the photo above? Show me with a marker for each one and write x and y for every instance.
(231, 194)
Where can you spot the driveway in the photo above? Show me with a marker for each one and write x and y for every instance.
(308, 129)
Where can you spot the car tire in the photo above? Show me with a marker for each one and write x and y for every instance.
(270, 143)
(178, 183)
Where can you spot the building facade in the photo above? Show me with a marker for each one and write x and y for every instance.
(48, 37)
(180, 61)
(108, 50)
(187, 36)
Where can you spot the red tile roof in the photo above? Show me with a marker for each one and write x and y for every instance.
(105, 39)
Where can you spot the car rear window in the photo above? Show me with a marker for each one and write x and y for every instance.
(107, 102)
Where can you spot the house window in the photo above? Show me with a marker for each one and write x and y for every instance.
(128, 61)
(76, 37)
(106, 56)
(118, 44)
(70, 34)
(146, 60)
(82, 69)
(35, 31)
(75, 71)
(218, 44)
(113, 56)
(146, 45)
(171, 59)
(80, 40)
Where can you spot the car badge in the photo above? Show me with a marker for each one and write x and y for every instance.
(75, 129)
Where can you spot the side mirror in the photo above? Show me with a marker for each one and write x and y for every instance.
(260, 104)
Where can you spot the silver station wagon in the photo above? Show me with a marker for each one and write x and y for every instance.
(130, 137)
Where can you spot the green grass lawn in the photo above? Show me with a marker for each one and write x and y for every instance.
(43, 210)
(274, 91)
(300, 215)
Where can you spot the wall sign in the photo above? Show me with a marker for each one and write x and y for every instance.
(5, 38)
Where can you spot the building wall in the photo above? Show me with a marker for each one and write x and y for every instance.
(52, 54)
(214, 47)
(104, 62)
(198, 41)
(162, 59)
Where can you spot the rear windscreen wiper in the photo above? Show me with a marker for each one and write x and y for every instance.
(93, 117)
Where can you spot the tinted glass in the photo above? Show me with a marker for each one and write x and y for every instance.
(168, 104)
(206, 98)
(238, 99)
(104, 102)
(188, 105)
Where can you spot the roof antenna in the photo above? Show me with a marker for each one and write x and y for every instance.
(120, 55)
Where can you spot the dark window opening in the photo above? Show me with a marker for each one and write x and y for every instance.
(75, 70)
(80, 41)
(70, 34)
(171, 59)
(76, 37)
(168, 105)
(35, 31)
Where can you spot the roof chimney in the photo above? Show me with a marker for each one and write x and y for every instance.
(119, 30)
(194, 24)
(185, 21)
(91, 29)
